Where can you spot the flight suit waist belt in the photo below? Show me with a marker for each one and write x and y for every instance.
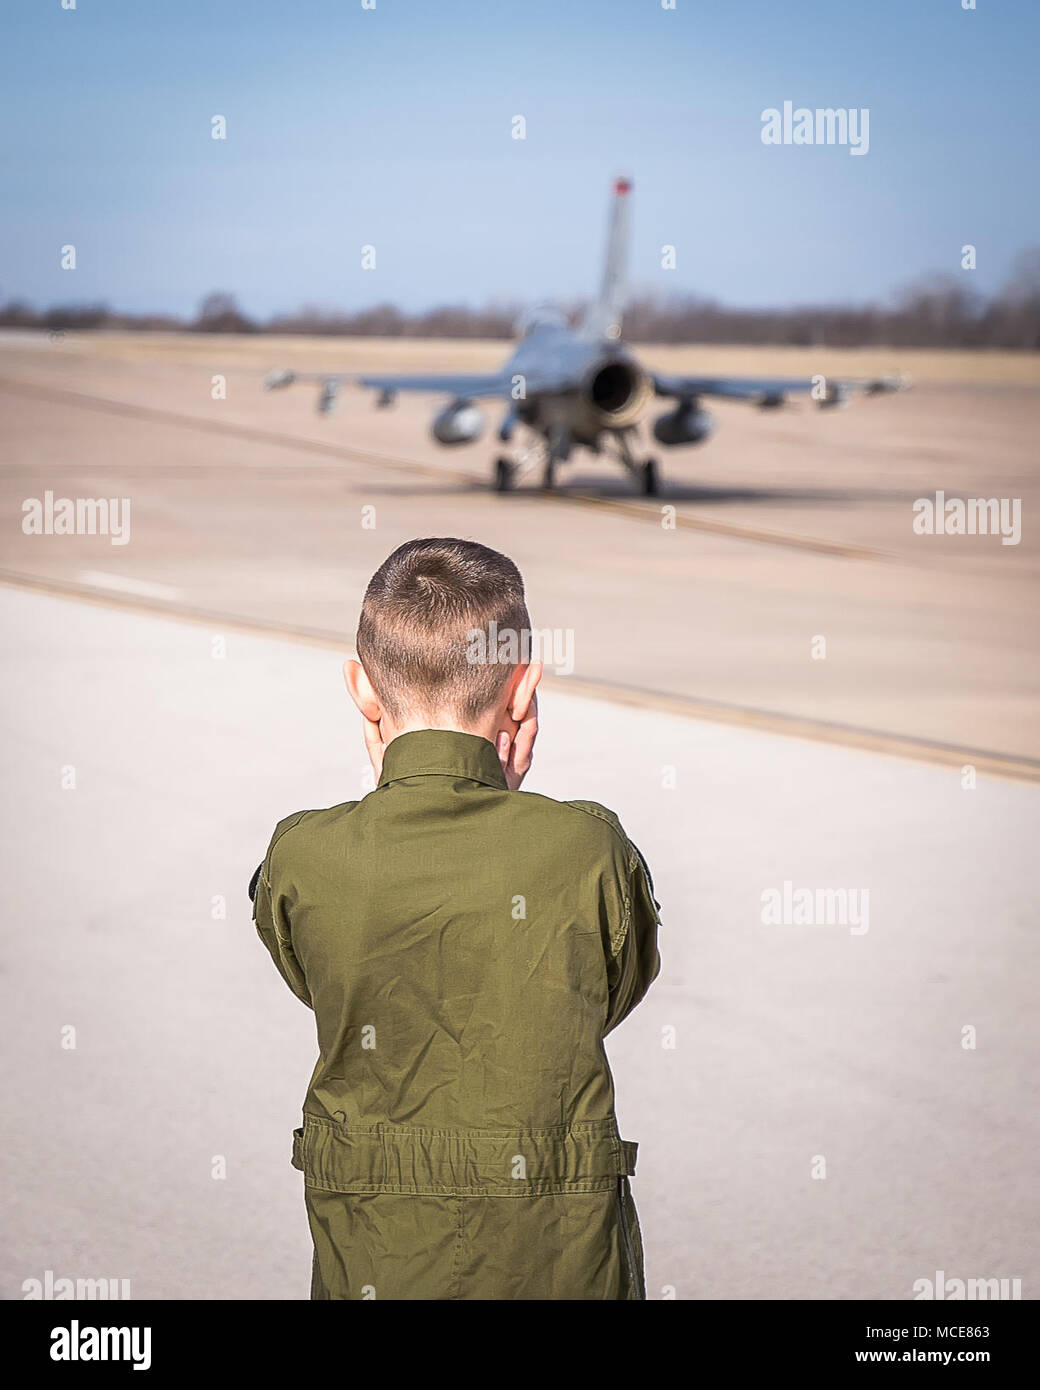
(584, 1157)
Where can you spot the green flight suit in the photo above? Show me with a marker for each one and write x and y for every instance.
(465, 949)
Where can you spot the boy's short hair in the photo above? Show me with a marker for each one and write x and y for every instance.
(420, 606)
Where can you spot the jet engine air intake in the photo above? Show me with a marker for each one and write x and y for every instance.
(617, 391)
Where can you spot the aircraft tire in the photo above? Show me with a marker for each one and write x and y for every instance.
(505, 472)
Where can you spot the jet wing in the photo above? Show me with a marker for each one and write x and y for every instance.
(463, 385)
(469, 386)
(773, 390)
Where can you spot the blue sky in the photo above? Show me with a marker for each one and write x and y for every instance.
(392, 127)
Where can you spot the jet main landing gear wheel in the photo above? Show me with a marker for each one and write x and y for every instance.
(648, 477)
(505, 475)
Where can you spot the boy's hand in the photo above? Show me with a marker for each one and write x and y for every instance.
(515, 746)
(374, 745)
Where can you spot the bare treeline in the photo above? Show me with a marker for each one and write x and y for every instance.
(941, 311)
(937, 313)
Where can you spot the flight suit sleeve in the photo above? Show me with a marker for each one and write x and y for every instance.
(630, 920)
(635, 961)
(272, 900)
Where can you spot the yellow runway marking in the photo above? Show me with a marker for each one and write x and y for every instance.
(1008, 765)
(645, 512)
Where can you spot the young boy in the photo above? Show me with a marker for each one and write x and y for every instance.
(465, 948)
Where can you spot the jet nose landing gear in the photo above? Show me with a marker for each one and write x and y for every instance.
(645, 473)
(546, 452)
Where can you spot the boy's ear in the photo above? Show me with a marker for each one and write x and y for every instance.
(361, 691)
(523, 691)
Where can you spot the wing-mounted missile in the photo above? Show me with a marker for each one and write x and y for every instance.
(836, 396)
(839, 393)
(458, 423)
(897, 381)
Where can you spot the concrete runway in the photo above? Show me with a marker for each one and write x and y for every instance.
(792, 1042)
(791, 525)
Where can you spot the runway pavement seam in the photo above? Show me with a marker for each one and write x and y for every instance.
(637, 511)
(1005, 765)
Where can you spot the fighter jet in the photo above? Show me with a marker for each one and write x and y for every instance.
(579, 387)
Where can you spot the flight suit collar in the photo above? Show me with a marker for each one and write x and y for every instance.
(442, 753)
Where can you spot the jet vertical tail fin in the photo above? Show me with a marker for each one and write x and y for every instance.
(604, 317)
